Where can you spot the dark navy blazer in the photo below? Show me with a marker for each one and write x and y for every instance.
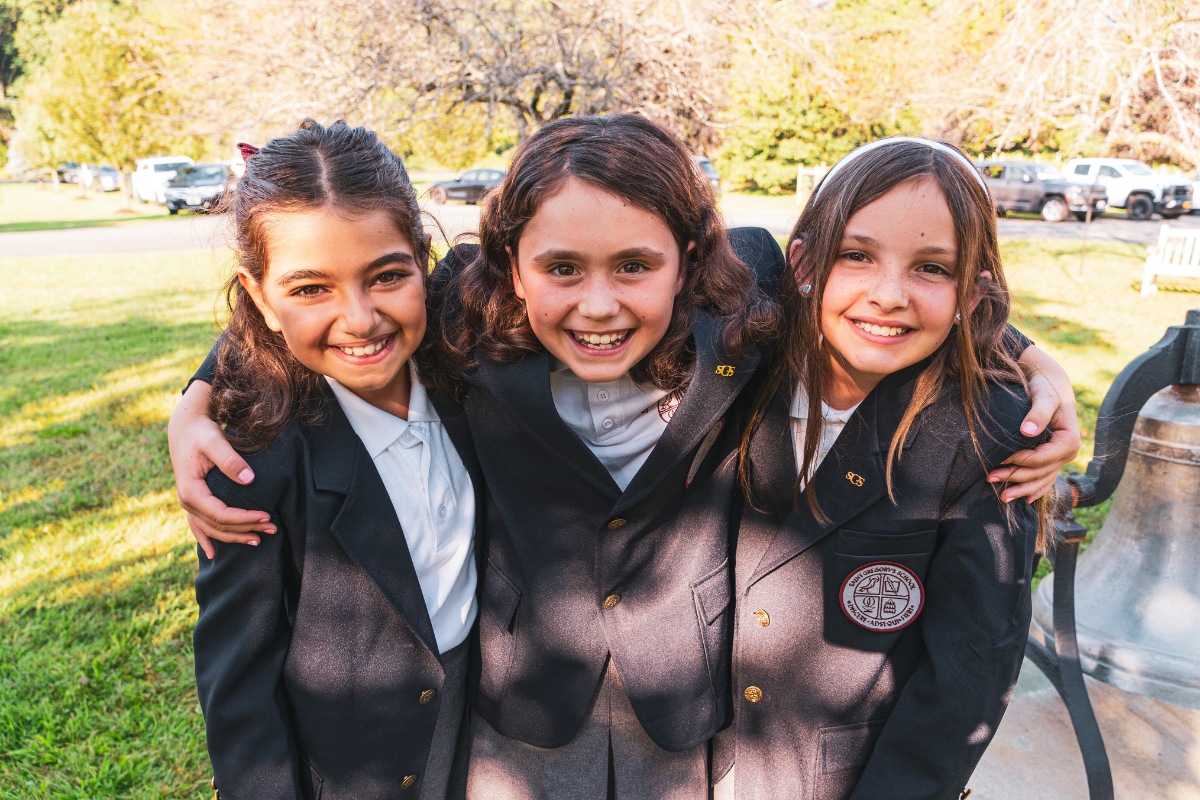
(314, 648)
(825, 708)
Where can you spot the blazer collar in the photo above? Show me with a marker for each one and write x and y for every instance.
(716, 380)
(366, 526)
(523, 388)
(850, 479)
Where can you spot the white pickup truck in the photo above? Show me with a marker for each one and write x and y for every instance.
(1133, 186)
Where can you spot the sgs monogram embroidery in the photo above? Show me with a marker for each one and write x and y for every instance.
(725, 371)
(855, 478)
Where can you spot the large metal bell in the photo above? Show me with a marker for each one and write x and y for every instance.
(1137, 588)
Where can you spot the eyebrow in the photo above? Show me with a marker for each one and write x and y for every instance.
(933, 249)
(305, 274)
(648, 253)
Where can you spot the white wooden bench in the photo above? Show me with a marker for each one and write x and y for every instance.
(1177, 255)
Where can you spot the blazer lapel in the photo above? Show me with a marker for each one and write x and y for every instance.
(717, 378)
(849, 480)
(366, 526)
(523, 387)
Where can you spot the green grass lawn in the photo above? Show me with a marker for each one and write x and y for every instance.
(97, 698)
(30, 207)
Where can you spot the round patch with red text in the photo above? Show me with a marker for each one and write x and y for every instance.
(882, 596)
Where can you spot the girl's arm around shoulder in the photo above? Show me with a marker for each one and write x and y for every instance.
(243, 633)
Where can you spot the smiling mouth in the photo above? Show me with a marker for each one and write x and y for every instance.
(880, 330)
(600, 341)
(369, 349)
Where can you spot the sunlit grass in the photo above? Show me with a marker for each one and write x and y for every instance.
(28, 206)
(97, 695)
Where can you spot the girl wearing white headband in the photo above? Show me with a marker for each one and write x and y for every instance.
(882, 586)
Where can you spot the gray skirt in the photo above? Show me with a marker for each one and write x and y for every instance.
(610, 757)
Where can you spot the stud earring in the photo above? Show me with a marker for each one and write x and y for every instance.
(957, 317)
(806, 289)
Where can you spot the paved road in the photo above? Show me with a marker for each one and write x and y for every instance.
(777, 214)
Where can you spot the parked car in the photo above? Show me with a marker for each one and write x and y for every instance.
(1134, 187)
(151, 175)
(468, 187)
(68, 171)
(1040, 189)
(706, 168)
(104, 178)
(1195, 180)
(199, 187)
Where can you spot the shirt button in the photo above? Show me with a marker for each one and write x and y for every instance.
(763, 617)
(441, 512)
(607, 424)
(602, 395)
(611, 602)
(753, 694)
(617, 524)
(426, 697)
(406, 437)
(408, 781)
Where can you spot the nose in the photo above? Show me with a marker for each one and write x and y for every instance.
(600, 300)
(359, 314)
(888, 290)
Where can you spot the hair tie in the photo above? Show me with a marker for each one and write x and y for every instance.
(936, 145)
(246, 150)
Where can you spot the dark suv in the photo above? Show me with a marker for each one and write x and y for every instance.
(1039, 189)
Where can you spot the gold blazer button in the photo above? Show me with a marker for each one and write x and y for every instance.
(617, 524)
(408, 781)
(753, 694)
(426, 697)
(763, 617)
(611, 602)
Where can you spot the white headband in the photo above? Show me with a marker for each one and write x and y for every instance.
(880, 143)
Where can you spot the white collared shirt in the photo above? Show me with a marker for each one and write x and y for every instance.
(619, 421)
(431, 491)
(835, 423)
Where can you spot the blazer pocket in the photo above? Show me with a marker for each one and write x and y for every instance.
(713, 594)
(843, 753)
(497, 618)
(867, 611)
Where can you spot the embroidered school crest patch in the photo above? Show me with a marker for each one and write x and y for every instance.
(882, 596)
(667, 406)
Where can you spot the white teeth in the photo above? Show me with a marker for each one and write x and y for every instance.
(601, 341)
(367, 350)
(880, 330)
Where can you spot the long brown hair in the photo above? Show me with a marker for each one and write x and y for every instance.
(973, 354)
(645, 165)
(260, 388)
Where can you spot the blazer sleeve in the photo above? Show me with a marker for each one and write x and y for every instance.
(241, 641)
(974, 625)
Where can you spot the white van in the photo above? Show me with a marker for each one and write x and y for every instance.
(151, 176)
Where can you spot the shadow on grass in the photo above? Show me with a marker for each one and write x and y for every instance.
(82, 410)
(1061, 332)
(40, 360)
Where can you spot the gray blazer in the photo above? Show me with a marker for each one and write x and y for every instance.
(316, 663)
(579, 571)
(829, 701)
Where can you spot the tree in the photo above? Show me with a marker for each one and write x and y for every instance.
(97, 94)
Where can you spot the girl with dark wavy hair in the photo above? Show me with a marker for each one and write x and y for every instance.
(604, 330)
(331, 660)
